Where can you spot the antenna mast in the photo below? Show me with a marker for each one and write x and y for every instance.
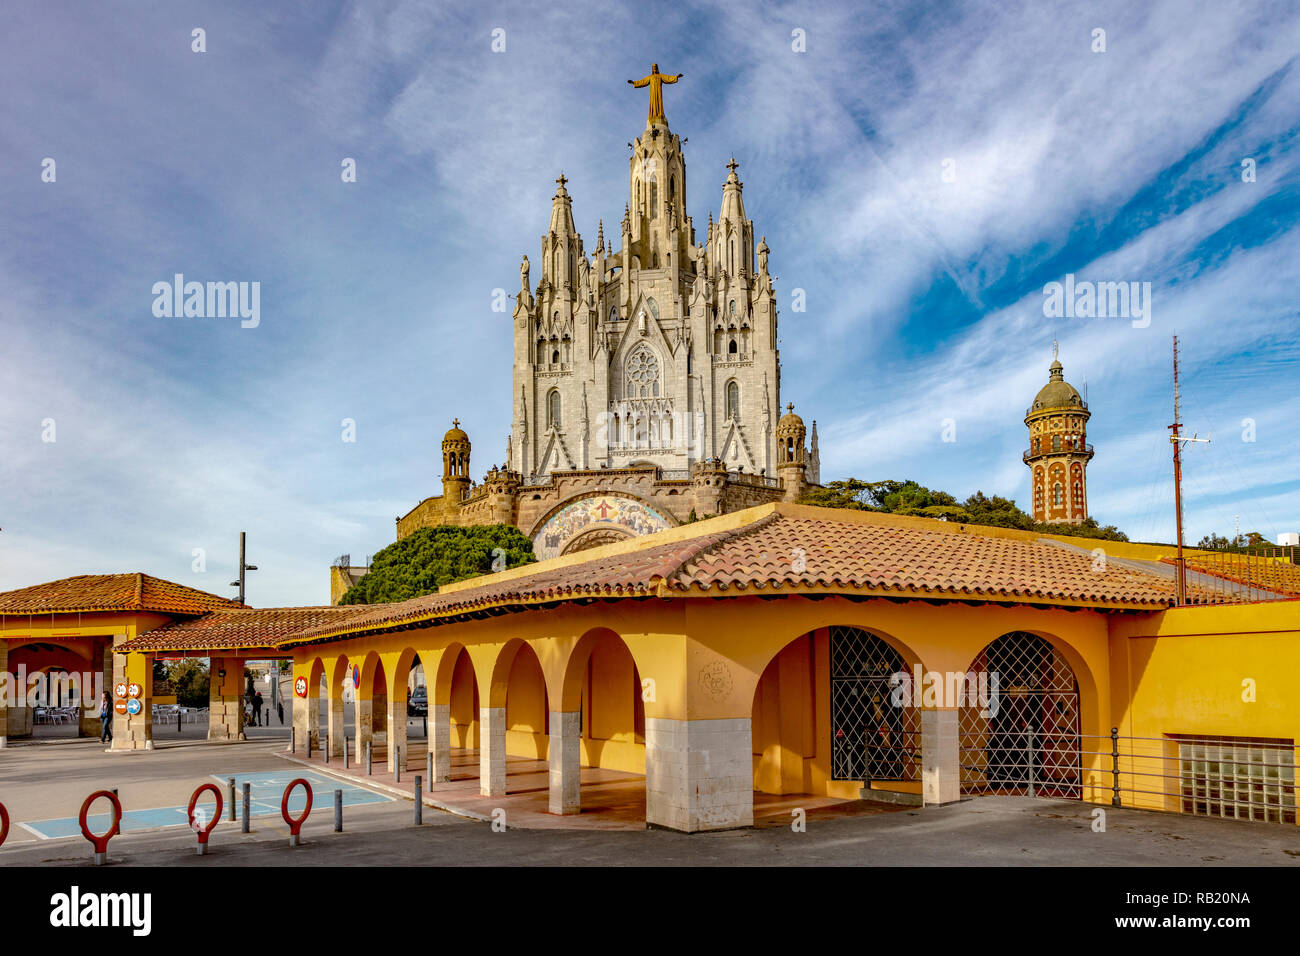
(1176, 439)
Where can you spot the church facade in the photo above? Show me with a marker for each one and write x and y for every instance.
(646, 385)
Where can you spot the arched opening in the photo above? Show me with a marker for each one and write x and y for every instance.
(598, 749)
(834, 713)
(1026, 739)
(733, 401)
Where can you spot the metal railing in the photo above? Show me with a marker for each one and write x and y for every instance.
(1084, 449)
(1241, 778)
(1226, 577)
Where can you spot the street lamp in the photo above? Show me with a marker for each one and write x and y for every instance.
(242, 568)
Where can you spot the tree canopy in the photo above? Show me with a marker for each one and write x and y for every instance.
(424, 561)
(912, 498)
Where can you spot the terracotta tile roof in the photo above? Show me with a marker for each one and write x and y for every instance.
(236, 628)
(781, 548)
(111, 592)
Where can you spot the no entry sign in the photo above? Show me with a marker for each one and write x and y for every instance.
(300, 687)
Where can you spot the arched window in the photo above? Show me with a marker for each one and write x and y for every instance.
(733, 401)
(613, 313)
(731, 348)
(1056, 495)
(541, 351)
(553, 409)
(654, 308)
(672, 188)
(1056, 443)
(654, 197)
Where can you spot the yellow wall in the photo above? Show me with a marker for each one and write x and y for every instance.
(1190, 671)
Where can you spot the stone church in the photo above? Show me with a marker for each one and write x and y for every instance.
(647, 379)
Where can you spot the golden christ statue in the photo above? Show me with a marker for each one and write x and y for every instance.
(655, 80)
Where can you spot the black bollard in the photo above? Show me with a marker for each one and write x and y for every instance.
(338, 811)
(428, 766)
(419, 803)
(248, 806)
(327, 746)
(397, 765)
(345, 751)
(230, 814)
(293, 740)
(369, 759)
(178, 720)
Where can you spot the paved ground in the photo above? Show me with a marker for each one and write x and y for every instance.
(50, 782)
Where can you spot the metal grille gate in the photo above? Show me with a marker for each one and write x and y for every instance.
(871, 738)
(1026, 741)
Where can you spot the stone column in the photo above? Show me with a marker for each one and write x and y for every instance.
(492, 751)
(225, 698)
(940, 766)
(334, 724)
(396, 732)
(10, 689)
(699, 774)
(134, 731)
(364, 712)
(565, 751)
(440, 741)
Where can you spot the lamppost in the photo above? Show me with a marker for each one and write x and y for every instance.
(242, 568)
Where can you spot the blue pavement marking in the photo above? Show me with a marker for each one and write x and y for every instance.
(264, 800)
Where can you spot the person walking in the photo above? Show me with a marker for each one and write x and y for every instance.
(257, 709)
(279, 706)
(105, 719)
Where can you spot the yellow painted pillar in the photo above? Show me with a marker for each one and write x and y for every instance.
(5, 692)
(306, 710)
(395, 731)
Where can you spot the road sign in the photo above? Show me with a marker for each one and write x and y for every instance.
(300, 687)
(120, 706)
(119, 689)
(135, 690)
(133, 706)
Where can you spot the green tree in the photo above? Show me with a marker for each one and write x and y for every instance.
(913, 498)
(424, 561)
(190, 678)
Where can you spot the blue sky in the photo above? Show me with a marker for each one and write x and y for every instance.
(924, 296)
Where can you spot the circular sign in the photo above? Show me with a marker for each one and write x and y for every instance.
(120, 706)
(300, 687)
(135, 690)
(133, 707)
(119, 690)
(356, 676)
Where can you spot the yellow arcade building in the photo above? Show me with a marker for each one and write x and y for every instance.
(787, 649)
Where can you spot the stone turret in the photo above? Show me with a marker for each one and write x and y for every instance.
(791, 456)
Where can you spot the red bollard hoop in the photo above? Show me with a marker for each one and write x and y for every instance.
(4, 824)
(100, 841)
(216, 816)
(295, 825)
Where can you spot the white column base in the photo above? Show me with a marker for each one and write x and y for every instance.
(699, 774)
(940, 761)
(565, 750)
(492, 752)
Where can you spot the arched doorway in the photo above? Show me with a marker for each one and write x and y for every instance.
(829, 717)
(1026, 740)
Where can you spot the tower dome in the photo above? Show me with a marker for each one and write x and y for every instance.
(790, 433)
(455, 462)
(1058, 452)
(1057, 393)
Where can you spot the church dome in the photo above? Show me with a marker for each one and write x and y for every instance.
(1057, 393)
(790, 422)
(455, 433)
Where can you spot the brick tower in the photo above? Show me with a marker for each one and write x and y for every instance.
(1058, 452)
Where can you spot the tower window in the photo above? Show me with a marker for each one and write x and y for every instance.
(553, 409)
(733, 401)
(654, 197)
(1056, 443)
(1056, 495)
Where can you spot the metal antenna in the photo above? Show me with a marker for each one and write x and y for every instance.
(1176, 439)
